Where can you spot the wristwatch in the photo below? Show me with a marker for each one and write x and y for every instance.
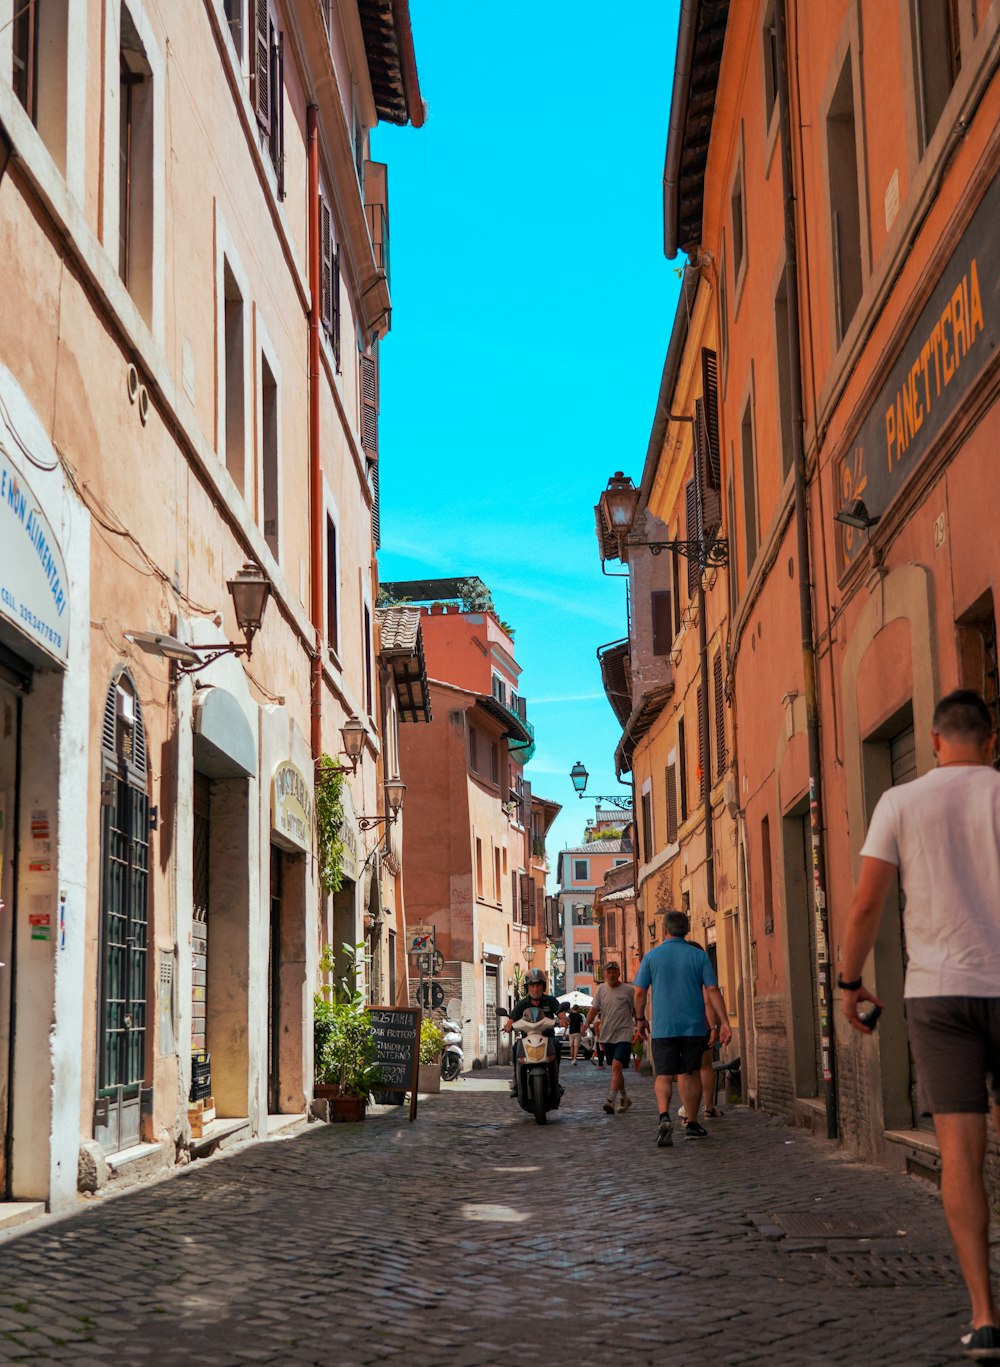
(848, 987)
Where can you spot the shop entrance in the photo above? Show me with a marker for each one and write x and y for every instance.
(10, 732)
(274, 987)
(492, 998)
(121, 1055)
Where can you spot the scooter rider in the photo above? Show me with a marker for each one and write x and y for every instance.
(535, 1005)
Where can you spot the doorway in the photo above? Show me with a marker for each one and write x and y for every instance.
(800, 931)
(492, 1000)
(274, 986)
(10, 759)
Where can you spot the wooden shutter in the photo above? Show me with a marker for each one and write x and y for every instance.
(538, 910)
(527, 898)
(514, 900)
(671, 804)
(692, 532)
(720, 716)
(376, 510)
(369, 404)
(710, 503)
(704, 771)
(335, 302)
(659, 601)
(260, 72)
(278, 113)
(710, 402)
(325, 266)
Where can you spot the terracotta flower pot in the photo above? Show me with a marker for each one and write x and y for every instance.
(342, 1108)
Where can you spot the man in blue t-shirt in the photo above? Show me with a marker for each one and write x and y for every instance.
(677, 971)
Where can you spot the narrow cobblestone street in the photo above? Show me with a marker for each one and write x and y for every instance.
(475, 1237)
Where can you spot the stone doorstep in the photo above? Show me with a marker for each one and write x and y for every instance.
(280, 1124)
(19, 1213)
(137, 1163)
(221, 1134)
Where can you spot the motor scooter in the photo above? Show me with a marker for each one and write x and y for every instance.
(452, 1056)
(536, 1065)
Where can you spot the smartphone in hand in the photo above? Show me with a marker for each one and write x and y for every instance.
(868, 1014)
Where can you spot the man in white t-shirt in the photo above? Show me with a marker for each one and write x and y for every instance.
(941, 834)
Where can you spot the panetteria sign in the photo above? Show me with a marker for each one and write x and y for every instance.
(949, 347)
(34, 593)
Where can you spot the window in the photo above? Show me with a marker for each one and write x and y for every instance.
(738, 210)
(233, 10)
(499, 690)
(479, 868)
(771, 58)
(332, 586)
(234, 377)
(369, 692)
(845, 207)
(267, 83)
(24, 34)
(671, 804)
(720, 716)
(581, 870)
(938, 60)
(749, 483)
(659, 601)
(135, 167)
(269, 454)
(40, 58)
(473, 750)
(784, 383)
(329, 266)
(647, 827)
(496, 875)
(583, 961)
(495, 763)
(723, 310)
(682, 775)
(368, 363)
(765, 852)
(692, 504)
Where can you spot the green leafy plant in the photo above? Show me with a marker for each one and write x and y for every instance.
(506, 626)
(329, 823)
(343, 1039)
(431, 1040)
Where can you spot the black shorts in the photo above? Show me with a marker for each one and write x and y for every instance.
(621, 1053)
(956, 1045)
(678, 1054)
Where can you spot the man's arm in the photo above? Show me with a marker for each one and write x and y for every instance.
(640, 1007)
(863, 922)
(718, 1006)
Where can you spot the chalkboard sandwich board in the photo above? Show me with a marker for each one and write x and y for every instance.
(397, 1048)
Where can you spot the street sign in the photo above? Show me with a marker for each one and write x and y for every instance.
(430, 994)
(424, 965)
(438, 961)
(421, 939)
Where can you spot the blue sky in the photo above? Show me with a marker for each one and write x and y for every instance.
(532, 306)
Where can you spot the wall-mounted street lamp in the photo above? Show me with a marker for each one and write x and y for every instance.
(619, 505)
(353, 735)
(579, 776)
(856, 515)
(395, 791)
(250, 589)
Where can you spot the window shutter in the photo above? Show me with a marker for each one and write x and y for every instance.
(538, 910)
(369, 405)
(693, 532)
(527, 898)
(260, 75)
(525, 804)
(710, 509)
(376, 511)
(325, 266)
(659, 601)
(278, 112)
(515, 907)
(710, 401)
(702, 741)
(720, 717)
(335, 302)
(671, 804)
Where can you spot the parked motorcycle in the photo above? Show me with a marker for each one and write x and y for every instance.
(536, 1066)
(452, 1057)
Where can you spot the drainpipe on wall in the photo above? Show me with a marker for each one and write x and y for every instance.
(315, 476)
(706, 745)
(823, 978)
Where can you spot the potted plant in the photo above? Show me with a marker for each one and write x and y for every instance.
(343, 1043)
(431, 1048)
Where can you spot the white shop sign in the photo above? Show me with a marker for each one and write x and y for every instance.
(291, 806)
(33, 583)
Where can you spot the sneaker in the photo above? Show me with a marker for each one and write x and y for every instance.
(624, 1104)
(609, 1106)
(983, 1344)
(681, 1113)
(692, 1130)
(665, 1135)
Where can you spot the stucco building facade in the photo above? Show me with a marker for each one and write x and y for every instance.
(195, 248)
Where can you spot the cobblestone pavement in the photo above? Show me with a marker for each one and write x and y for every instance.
(475, 1237)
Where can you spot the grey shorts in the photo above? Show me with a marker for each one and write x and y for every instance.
(955, 1043)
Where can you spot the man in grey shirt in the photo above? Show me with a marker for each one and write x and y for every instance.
(941, 835)
(614, 1002)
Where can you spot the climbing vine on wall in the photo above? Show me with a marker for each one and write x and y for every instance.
(330, 823)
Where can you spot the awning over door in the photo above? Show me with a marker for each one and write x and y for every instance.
(224, 744)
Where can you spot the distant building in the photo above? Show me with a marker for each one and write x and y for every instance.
(580, 873)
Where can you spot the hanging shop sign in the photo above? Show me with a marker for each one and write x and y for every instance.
(34, 591)
(291, 806)
(952, 342)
